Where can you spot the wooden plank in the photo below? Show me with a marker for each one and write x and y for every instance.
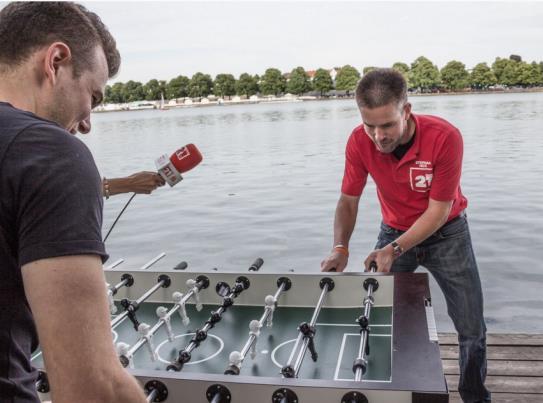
(505, 384)
(454, 397)
(512, 353)
(499, 367)
(498, 339)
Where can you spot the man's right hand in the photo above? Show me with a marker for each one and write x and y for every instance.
(335, 261)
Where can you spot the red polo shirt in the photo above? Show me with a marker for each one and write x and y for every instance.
(431, 168)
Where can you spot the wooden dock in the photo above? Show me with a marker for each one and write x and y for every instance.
(515, 367)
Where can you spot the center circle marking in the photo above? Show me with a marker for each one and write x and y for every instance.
(221, 347)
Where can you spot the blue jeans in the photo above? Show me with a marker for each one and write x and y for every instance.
(448, 256)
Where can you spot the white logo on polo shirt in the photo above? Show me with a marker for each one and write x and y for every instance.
(421, 176)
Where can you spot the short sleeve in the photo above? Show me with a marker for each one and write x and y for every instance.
(355, 174)
(448, 168)
(57, 195)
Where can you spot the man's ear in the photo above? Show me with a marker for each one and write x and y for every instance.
(57, 56)
(407, 110)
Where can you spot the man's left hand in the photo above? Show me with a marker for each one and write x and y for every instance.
(383, 257)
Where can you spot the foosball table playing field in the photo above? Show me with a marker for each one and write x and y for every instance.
(274, 336)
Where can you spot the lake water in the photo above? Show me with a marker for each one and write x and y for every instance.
(270, 179)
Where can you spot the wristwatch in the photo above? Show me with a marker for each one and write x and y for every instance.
(398, 250)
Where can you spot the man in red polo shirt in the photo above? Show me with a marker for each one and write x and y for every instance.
(416, 163)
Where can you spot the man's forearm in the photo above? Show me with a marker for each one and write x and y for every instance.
(344, 222)
(428, 223)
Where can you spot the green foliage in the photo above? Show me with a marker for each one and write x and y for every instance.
(529, 75)
(401, 67)
(454, 75)
(404, 69)
(201, 85)
(323, 81)
(154, 89)
(482, 77)
(133, 91)
(509, 75)
(367, 69)
(424, 75)
(347, 78)
(224, 85)
(499, 66)
(247, 85)
(298, 82)
(178, 87)
(272, 82)
(114, 94)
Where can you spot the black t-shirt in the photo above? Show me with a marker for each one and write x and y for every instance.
(50, 205)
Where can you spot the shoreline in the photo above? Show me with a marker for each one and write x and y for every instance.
(292, 99)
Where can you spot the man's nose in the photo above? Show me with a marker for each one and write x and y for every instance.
(379, 134)
(84, 126)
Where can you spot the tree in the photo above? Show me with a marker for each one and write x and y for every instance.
(117, 94)
(323, 81)
(529, 75)
(299, 82)
(201, 85)
(224, 85)
(510, 74)
(178, 87)
(482, 77)
(247, 85)
(347, 78)
(423, 74)
(272, 82)
(367, 69)
(499, 66)
(133, 91)
(454, 75)
(154, 89)
(401, 67)
(404, 69)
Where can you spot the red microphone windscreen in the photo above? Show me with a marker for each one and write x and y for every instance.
(186, 158)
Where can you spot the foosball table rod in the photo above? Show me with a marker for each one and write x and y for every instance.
(164, 281)
(229, 295)
(307, 333)
(125, 354)
(360, 363)
(236, 358)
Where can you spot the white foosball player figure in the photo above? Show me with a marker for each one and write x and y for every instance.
(123, 351)
(112, 307)
(195, 292)
(162, 313)
(144, 331)
(270, 304)
(178, 300)
(235, 359)
(254, 330)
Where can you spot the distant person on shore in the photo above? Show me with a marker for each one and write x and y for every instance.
(144, 182)
(416, 163)
(55, 60)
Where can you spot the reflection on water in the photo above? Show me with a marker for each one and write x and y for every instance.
(270, 179)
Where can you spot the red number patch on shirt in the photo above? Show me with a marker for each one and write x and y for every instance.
(421, 179)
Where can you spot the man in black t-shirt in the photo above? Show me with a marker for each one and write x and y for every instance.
(55, 59)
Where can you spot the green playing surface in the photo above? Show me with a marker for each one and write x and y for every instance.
(337, 341)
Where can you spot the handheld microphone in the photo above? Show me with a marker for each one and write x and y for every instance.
(181, 161)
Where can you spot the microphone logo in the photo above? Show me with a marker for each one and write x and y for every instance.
(182, 153)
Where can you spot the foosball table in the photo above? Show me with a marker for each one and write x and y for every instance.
(279, 336)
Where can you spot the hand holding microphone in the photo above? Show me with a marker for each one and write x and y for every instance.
(169, 171)
(183, 160)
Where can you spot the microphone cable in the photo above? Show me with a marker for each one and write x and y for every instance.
(119, 216)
